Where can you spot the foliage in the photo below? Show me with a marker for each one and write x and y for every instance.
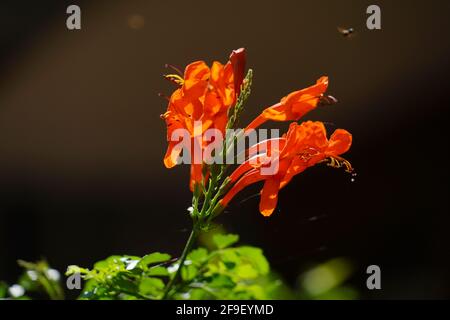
(225, 272)
(37, 281)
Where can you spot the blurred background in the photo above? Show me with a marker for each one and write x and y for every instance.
(81, 141)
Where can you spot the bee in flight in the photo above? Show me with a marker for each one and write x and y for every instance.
(346, 32)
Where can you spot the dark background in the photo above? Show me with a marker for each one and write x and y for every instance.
(81, 142)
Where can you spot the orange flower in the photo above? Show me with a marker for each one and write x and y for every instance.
(205, 95)
(294, 106)
(303, 146)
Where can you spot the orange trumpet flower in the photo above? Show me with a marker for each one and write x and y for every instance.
(204, 95)
(303, 146)
(294, 106)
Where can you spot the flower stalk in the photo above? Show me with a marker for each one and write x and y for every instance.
(187, 248)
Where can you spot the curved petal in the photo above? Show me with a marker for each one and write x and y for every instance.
(279, 112)
(274, 145)
(258, 121)
(340, 142)
(269, 197)
(216, 72)
(250, 164)
(221, 83)
(315, 135)
(213, 103)
(238, 60)
(173, 152)
(196, 77)
(298, 103)
(304, 105)
(196, 175)
(249, 178)
(197, 70)
(297, 166)
(292, 138)
(315, 90)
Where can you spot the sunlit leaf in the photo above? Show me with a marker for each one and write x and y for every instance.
(221, 281)
(256, 257)
(246, 271)
(198, 256)
(153, 258)
(151, 286)
(157, 271)
(189, 272)
(225, 240)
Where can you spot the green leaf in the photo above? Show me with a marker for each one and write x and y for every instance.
(230, 257)
(151, 286)
(102, 265)
(256, 257)
(157, 271)
(225, 240)
(121, 282)
(198, 256)
(247, 271)
(253, 292)
(195, 294)
(27, 283)
(153, 258)
(189, 272)
(72, 269)
(229, 265)
(221, 281)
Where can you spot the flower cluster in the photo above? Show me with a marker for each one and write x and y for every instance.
(204, 95)
(214, 97)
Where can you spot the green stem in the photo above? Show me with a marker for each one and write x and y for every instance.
(186, 250)
(206, 202)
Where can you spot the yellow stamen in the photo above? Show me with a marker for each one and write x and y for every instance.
(175, 78)
(338, 162)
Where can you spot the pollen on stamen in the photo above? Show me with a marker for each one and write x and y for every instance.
(174, 78)
(338, 162)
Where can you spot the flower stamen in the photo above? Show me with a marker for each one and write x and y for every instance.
(171, 66)
(338, 162)
(175, 78)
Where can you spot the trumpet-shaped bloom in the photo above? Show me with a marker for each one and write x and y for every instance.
(303, 146)
(204, 96)
(294, 106)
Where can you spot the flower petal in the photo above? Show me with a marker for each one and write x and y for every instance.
(340, 142)
(296, 104)
(269, 197)
(196, 77)
(253, 163)
(173, 151)
(297, 166)
(196, 175)
(249, 178)
(238, 61)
